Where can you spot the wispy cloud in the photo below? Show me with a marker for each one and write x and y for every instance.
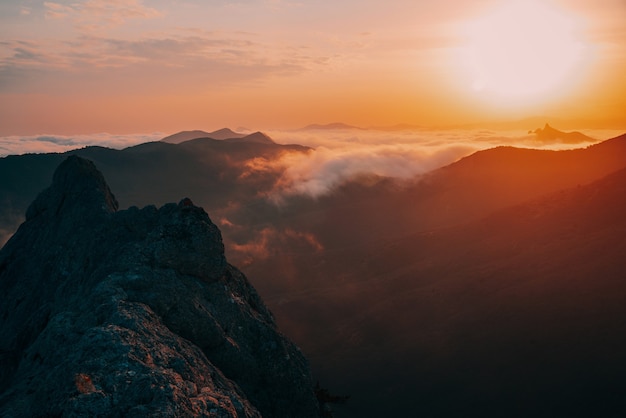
(186, 59)
(57, 10)
(87, 39)
(341, 155)
(323, 169)
(337, 155)
(93, 15)
(264, 243)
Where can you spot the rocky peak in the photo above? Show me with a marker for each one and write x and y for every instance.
(77, 185)
(135, 313)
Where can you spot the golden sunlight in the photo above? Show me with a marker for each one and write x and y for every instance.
(522, 52)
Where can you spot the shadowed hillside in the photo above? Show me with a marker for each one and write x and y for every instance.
(518, 314)
(370, 208)
(135, 313)
(452, 292)
(183, 136)
(209, 171)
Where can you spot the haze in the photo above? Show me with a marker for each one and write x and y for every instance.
(89, 66)
(433, 210)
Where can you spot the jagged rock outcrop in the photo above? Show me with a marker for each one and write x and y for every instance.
(135, 313)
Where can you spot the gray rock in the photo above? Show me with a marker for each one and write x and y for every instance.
(135, 313)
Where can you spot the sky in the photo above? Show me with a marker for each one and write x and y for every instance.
(146, 66)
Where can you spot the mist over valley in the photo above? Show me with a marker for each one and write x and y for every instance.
(438, 273)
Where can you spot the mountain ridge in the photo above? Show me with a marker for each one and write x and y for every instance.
(346, 287)
(529, 296)
(221, 134)
(331, 126)
(257, 137)
(135, 313)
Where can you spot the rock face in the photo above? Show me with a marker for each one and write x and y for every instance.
(135, 313)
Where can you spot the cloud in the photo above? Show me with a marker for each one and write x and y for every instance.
(15, 145)
(25, 54)
(85, 41)
(93, 15)
(305, 237)
(337, 155)
(344, 154)
(264, 243)
(179, 61)
(179, 51)
(56, 10)
(319, 172)
(256, 248)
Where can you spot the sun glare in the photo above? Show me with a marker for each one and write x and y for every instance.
(522, 52)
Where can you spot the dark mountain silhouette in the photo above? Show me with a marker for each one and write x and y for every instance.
(183, 136)
(342, 309)
(209, 171)
(550, 135)
(460, 192)
(399, 127)
(400, 291)
(516, 314)
(330, 126)
(135, 313)
(525, 307)
(257, 137)
(503, 176)
(225, 133)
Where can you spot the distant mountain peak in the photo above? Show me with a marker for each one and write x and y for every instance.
(184, 136)
(225, 133)
(550, 134)
(330, 126)
(256, 137)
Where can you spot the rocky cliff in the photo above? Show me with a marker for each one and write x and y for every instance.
(135, 313)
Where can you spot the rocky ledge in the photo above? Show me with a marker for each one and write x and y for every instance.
(135, 313)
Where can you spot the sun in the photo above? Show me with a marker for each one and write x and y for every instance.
(522, 51)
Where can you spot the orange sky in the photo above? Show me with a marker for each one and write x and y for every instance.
(123, 66)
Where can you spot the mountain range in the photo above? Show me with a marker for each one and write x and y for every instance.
(330, 126)
(224, 133)
(489, 287)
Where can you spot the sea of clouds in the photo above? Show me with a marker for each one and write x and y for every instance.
(37, 144)
(344, 153)
(336, 155)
